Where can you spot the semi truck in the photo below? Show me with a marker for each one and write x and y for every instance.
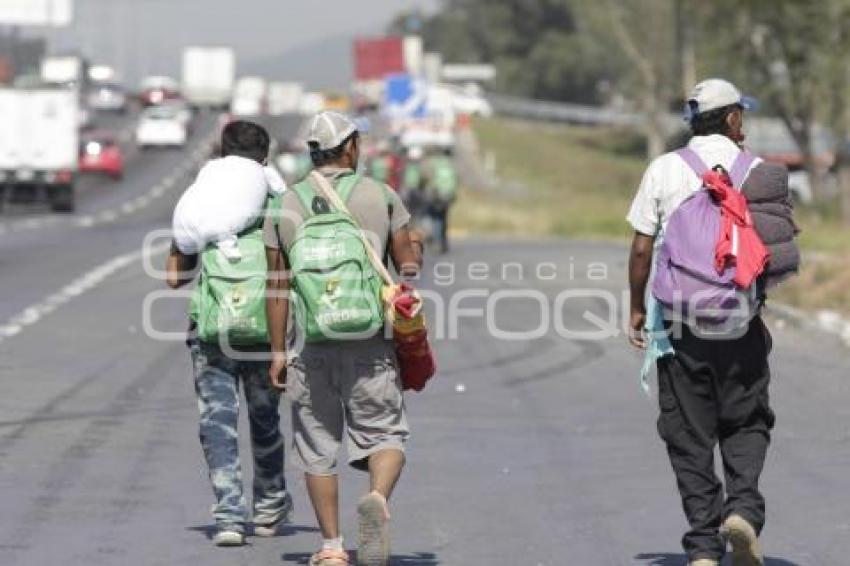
(284, 97)
(69, 72)
(249, 97)
(209, 75)
(39, 146)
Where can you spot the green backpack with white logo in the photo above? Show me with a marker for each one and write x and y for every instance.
(337, 290)
(229, 302)
(444, 178)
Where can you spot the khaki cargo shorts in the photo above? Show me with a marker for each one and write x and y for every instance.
(350, 388)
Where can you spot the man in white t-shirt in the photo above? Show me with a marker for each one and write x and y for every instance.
(710, 390)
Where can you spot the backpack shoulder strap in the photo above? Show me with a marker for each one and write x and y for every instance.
(740, 168)
(693, 160)
(305, 193)
(346, 186)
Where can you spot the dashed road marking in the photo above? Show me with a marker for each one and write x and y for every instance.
(82, 284)
(85, 221)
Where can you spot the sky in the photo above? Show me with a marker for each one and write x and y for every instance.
(143, 37)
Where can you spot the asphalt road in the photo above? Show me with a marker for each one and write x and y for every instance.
(526, 451)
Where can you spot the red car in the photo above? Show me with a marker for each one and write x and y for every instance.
(100, 153)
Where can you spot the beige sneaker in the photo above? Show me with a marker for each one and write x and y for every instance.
(746, 550)
(704, 562)
(373, 515)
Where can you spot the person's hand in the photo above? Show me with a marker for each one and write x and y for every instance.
(637, 338)
(277, 370)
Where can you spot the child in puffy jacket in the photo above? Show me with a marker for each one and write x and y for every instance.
(229, 194)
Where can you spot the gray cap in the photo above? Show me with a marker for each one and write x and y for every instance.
(329, 129)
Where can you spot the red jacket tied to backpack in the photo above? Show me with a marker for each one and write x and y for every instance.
(738, 241)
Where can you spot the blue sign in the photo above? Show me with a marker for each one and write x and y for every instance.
(405, 96)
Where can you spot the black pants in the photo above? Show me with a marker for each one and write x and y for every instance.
(716, 391)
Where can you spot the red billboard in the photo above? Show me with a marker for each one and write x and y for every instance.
(375, 58)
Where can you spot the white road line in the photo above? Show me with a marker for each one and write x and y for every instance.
(82, 284)
(85, 221)
(140, 201)
(107, 216)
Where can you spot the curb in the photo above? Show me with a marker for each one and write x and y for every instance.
(824, 321)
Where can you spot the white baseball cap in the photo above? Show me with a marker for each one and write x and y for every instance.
(712, 94)
(329, 129)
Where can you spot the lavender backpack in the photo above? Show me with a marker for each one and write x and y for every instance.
(686, 280)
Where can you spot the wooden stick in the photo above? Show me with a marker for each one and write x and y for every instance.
(333, 197)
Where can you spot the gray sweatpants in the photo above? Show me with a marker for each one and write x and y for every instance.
(350, 388)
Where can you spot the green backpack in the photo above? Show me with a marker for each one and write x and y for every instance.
(337, 290)
(444, 178)
(229, 302)
(412, 176)
(380, 169)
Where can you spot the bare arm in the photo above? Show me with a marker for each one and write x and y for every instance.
(277, 313)
(179, 268)
(406, 250)
(640, 265)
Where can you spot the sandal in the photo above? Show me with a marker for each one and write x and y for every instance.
(328, 557)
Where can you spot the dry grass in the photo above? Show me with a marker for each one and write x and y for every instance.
(580, 182)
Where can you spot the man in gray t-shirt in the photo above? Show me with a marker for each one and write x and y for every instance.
(343, 388)
(377, 209)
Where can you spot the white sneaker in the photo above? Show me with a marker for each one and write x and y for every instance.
(267, 525)
(704, 562)
(229, 537)
(746, 550)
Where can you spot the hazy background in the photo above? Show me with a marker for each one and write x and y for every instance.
(308, 41)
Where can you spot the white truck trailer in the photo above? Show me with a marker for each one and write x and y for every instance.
(209, 76)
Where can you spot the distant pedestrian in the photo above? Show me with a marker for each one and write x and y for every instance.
(344, 381)
(381, 164)
(441, 183)
(413, 184)
(227, 335)
(712, 379)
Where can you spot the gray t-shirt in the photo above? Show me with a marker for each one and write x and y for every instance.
(368, 205)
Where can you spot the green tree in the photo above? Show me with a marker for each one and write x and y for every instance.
(539, 47)
(792, 54)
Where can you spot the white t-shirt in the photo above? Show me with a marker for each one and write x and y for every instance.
(668, 181)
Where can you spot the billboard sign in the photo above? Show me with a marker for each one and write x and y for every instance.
(56, 13)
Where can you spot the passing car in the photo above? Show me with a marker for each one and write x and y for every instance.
(182, 110)
(156, 90)
(161, 126)
(107, 97)
(100, 153)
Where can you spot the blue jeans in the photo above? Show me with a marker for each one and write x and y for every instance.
(217, 382)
